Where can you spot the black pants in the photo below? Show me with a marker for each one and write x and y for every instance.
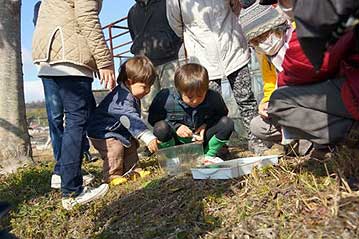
(222, 130)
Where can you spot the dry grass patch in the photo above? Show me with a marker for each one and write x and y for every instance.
(298, 198)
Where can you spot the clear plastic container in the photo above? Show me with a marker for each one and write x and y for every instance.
(179, 160)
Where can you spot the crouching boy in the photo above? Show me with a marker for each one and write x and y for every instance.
(191, 112)
(116, 124)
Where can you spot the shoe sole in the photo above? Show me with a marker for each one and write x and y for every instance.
(99, 195)
(55, 186)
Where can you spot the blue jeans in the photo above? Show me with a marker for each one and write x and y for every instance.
(71, 97)
(55, 117)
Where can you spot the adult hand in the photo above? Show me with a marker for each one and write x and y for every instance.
(153, 146)
(184, 132)
(236, 7)
(263, 109)
(199, 133)
(107, 77)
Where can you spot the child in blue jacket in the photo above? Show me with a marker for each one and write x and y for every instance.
(116, 124)
(191, 112)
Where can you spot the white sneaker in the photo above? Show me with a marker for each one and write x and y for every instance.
(87, 195)
(56, 180)
(211, 160)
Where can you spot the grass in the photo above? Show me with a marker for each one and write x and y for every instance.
(298, 198)
(37, 115)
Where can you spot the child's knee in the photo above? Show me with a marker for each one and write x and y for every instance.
(227, 124)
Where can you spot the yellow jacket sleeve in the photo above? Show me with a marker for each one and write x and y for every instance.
(269, 77)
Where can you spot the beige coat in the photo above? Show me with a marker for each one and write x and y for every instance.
(69, 31)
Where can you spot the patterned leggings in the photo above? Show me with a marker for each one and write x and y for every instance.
(240, 82)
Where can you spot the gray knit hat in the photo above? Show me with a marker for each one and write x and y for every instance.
(258, 19)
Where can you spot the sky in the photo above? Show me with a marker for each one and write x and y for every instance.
(112, 10)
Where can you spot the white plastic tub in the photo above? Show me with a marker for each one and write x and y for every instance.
(233, 168)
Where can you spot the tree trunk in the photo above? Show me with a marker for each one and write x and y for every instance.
(15, 147)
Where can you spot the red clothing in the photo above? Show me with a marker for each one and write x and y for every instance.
(339, 60)
(297, 69)
(350, 89)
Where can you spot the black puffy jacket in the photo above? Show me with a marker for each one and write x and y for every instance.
(151, 34)
(168, 106)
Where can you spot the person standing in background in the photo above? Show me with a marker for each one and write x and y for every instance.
(36, 12)
(153, 37)
(68, 47)
(56, 112)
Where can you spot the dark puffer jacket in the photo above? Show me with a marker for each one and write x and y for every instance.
(105, 121)
(169, 106)
(151, 34)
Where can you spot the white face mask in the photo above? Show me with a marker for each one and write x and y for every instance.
(271, 45)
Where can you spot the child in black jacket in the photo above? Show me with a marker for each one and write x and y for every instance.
(191, 112)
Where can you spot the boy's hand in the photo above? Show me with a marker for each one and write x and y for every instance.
(153, 146)
(263, 110)
(199, 133)
(107, 77)
(184, 132)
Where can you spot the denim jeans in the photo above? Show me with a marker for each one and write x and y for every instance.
(69, 102)
(55, 117)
